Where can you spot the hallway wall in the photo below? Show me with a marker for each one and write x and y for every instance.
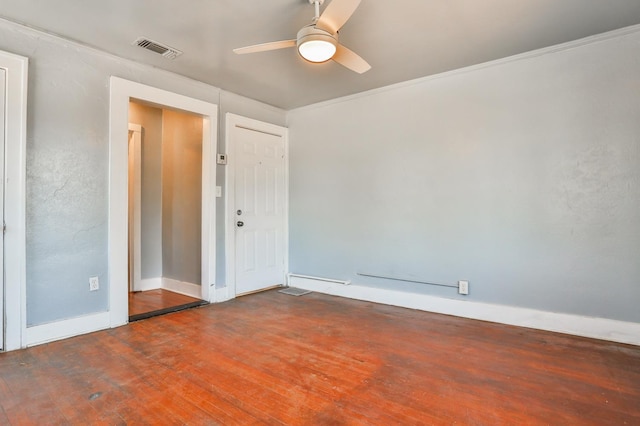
(181, 196)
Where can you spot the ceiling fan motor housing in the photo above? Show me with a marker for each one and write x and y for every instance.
(322, 41)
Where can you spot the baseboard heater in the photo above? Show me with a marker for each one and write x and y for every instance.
(406, 280)
(309, 277)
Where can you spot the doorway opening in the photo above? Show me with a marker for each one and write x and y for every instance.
(165, 210)
(122, 93)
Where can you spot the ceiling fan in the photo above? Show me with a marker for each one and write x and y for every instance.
(318, 41)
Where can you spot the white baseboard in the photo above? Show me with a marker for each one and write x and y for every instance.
(329, 280)
(147, 284)
(188, 289)
(596, 328)
(58, 330)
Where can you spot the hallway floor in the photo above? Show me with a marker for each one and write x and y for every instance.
(146, 304)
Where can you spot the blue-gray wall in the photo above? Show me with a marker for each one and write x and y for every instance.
(67, 165)
(522, 177)
(181, 197)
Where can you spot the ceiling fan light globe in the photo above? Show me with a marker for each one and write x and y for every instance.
(315, 44)
(317, 50)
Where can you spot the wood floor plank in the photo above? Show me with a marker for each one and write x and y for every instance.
(270, 358)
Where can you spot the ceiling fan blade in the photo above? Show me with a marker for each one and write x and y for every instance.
(351, 60)
(337, 14)
(274, 45)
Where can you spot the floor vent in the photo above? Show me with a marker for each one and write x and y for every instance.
(159, 48)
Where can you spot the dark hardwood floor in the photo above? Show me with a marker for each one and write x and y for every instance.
(146, 304)
(270, 358)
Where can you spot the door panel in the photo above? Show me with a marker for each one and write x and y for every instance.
(260, 196)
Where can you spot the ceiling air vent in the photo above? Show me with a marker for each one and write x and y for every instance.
(154, 46)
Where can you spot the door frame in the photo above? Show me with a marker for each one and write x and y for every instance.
(121, 93)
(135, 218)
(232, 122)
(13, 326)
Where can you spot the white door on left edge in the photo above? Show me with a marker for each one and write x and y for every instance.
(260, 204)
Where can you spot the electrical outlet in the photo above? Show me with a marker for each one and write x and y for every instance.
(463, 287)
(94, 283)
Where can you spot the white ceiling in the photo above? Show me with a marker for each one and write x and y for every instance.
(402, 39)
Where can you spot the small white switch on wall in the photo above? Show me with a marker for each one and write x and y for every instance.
(218, 191)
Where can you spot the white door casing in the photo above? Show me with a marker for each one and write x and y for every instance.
(122, 91)
(15, 69)
(257, 199)
(3, 80)
(135, 207)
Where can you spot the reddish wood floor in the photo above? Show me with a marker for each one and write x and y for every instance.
(160, 300)
(270, 358)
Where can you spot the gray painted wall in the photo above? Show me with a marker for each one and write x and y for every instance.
(181, 196)
(521, 177)
(67, 164)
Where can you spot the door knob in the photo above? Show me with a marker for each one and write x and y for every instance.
(240, 224)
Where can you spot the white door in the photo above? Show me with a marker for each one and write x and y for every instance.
(260, 209)
(3, 80)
